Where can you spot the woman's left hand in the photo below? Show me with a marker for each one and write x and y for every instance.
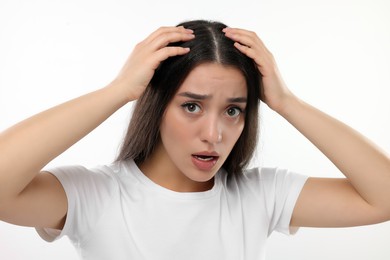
(275, 91)
(359, 199)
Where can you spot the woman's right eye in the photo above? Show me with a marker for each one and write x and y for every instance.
(191, 108)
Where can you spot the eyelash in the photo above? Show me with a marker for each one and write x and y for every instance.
(188, 104)
(237, 109)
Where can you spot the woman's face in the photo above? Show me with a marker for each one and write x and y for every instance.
(200, 126)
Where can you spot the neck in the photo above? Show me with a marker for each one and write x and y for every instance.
(161, 170)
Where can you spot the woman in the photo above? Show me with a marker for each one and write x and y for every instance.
(180, 189)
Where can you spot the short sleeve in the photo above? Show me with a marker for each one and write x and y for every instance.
(281, 189)
(88, 193)
(276, 191)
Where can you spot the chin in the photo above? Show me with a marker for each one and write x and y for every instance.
(202, 176)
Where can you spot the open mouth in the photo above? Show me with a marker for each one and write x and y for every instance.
(205, 158)
(204, 162)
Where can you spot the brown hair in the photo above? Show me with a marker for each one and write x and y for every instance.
(209, 45)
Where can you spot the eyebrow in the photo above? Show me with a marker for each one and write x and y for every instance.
(203, 97)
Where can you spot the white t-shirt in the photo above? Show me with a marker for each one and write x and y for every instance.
(116, 212)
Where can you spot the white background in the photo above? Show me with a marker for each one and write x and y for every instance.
(334, 54)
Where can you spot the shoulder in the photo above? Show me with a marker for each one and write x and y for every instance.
(265, 175)
(267, 179)
(80, 177)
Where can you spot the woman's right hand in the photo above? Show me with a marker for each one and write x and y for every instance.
(24, 192)
(147, 56)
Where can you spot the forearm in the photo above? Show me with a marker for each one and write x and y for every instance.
(29, 145)
(365, 165)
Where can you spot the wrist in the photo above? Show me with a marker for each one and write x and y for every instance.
(120, 91)
(287, 104)
(116, 92)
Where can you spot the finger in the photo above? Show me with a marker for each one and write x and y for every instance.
(160, 30)
(237, 30)
(248, 43)
(248, 33)
(170, 37)
(167, 30)
(165, 53)
(251, 53)
(245, 37)
(263, 61)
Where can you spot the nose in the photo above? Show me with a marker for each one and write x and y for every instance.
(211, 130)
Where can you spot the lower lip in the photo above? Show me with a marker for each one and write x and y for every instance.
(204, 165)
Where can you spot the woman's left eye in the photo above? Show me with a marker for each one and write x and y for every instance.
(233, 111)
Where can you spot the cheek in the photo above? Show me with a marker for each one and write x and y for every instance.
(234, 135)
(233, 132)
(174, 129)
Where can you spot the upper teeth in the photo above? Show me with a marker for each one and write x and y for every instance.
(204, 158)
